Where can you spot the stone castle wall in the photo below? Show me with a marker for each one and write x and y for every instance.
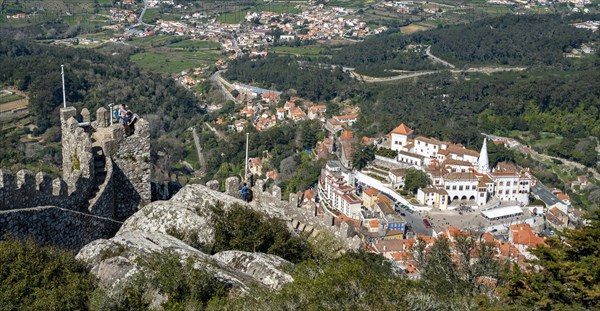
(82, 210)
(77, 158)
(27, 190)
(269, 201)
(131, 157)
(51, 225)
(103, 204)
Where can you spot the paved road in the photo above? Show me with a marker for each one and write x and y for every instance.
(217, 132)
(415, 221)
(516, 145)
(486, 70)
(216, 79)
(544, 194)
(201, 160)
(141, 18)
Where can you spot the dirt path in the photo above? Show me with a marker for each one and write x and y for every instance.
(437, 59)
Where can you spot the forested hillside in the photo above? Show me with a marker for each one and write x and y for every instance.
(538, 40)
(305, 77)
(92, 80)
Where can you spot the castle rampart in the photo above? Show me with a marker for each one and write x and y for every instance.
(51, 225)
(269, 201)
(105, 174)
(103, 204)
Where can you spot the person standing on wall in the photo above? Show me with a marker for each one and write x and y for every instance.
(244, 192)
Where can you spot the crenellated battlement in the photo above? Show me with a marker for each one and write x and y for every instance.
(269, 201)
(24, 189)
(97, 157)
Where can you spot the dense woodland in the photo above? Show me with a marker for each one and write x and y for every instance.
(531, 40)
(92, 80)
(567, 276)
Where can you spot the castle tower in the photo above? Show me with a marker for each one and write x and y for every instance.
(483, 164)
(77, 160)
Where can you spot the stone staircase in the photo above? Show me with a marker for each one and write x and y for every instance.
(99, 171)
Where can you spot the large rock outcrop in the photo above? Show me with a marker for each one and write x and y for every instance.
(267, 269)
(160, 226)
(114, 261)
(188, 212)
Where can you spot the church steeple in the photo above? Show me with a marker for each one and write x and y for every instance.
(483, 164)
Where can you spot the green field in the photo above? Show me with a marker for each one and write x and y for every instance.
(195, 44)
(151, 15)
(10, 98)
(174, 62)
(355, 4)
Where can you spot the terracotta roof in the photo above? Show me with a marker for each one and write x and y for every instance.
(398, 171)
(434, 190)
(374, 223)
(488, 238)
(461, 176)
(371, 192)
(460, 150)
(428, 140)
(347, 117)
(367, 140)
(402, 130)
(456, 162)
(523, 235)
(333, 121)
(346, 135)
(389, 245)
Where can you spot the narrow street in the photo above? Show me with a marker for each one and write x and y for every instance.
(216, 79)
(201, 160)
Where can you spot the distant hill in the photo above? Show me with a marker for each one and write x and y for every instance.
(507, 40)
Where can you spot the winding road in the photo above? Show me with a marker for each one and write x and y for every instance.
(486, 70)
(201, 160)
(141, 18)
(414, 74)
(217, 80)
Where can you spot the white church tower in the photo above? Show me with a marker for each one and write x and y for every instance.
(483, 164)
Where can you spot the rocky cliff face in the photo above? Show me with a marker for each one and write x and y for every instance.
(157, 227)
(114, 261)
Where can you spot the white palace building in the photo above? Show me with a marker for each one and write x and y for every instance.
(459, 174)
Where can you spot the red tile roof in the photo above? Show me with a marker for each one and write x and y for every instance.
(402, 130)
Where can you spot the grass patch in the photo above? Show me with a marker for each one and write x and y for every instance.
(175, 61)
(195, 44)
(151, 15)
(10, 98)
(288, 50)
(351, 3)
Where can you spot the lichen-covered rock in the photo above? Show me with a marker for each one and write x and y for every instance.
(267, 269)
(186, 213)
(168, 217)
(114, 261)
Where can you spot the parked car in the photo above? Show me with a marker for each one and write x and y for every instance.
(426, 223)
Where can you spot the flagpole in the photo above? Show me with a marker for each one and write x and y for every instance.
(62, 72)
(246, 170)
